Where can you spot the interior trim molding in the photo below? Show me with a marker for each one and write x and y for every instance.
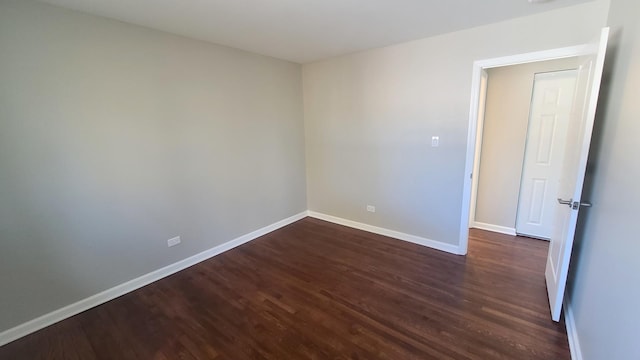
(472, 131)
(434, 244)
(68, 311)
(494, 228)
(572, 331)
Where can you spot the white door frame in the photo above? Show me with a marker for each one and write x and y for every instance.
(483, 88)
(471, 178)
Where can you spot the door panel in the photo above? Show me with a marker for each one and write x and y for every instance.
(548, 125)
(537, 201)
(548, 122)
(574, 165)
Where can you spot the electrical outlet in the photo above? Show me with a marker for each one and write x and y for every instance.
(371, 208)
(173, 241)
(435, 141)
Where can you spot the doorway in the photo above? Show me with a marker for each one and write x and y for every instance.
(590, 58)
(521, 131)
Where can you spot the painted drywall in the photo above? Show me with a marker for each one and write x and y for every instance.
(370, 116)
(307, 31)
(603, 287)
(115, 138)
(504, 139)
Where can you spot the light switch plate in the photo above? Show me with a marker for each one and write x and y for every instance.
(173, 241)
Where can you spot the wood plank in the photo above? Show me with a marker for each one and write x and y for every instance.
(316, 290)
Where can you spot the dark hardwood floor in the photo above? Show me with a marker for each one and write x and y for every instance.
(315, 290)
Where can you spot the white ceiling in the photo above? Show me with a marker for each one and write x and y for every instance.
(308, 30)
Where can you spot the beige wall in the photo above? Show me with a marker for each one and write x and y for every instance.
(370, 116)
(504, 138)
(604, 289)
(114, 138)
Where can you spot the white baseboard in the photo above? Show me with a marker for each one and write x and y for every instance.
(438, 245)
(572, 332)
(494, 228)
(119, 290)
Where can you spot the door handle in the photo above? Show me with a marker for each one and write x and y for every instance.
(565, 202)
(573, 204)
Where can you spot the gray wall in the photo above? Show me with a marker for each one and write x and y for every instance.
(114, 138)
(369, 118)
(504, 138)
(605, 288)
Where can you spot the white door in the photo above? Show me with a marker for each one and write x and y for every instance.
(573, 170)
(551, 104)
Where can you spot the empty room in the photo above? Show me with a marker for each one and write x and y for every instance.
(319, 179)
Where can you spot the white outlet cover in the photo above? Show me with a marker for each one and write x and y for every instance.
(371, 208)
(173, 241)
(435, 141)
